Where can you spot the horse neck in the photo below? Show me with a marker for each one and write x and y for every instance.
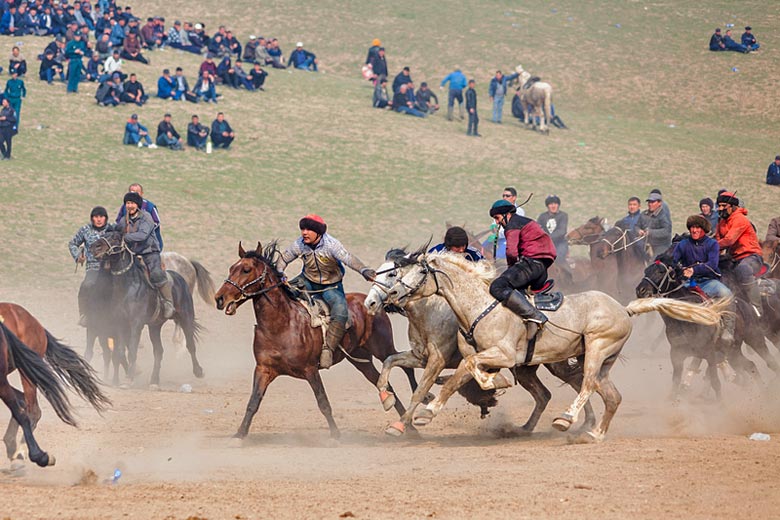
(466, 295)
(426, 311)
(274, 310)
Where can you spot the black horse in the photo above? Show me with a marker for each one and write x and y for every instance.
(135, 303)
(100, 324)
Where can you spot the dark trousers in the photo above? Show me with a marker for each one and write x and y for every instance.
(453, 95)
(221, 141)
(527, 272)
(6, 134)
(473, 123)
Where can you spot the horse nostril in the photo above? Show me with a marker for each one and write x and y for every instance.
(219, 301)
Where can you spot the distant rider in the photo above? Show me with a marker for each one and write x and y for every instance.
(86, 236)
(456, 240)
(324, 258)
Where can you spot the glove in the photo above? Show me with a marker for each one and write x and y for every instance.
(369, 274)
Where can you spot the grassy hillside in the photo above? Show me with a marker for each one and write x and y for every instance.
(647, 104)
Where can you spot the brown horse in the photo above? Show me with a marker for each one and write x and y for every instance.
(770, 250)
(27, 344)
(285, 342)
(628, 248)
(603, 270)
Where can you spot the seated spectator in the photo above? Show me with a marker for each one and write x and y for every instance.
(94, 66)
(378, 63)
(109, 93)
(17, 62)
(166, 86)
(197, 134)
(178, 38)
(198, 35)
(275, 53)
(302, 59)
(137, 134)
(205, 89)
(167, 134)
(183, 87)
(7, 26)
(263, 57)
(402, 104)
(731, 45)
(149, 38)
(217, 47)
(134, 92)
(50, 67)
(221, 133)
(103, 23)
(241, 78)
(402, 78)
(20, 21)
(257, 77)
(208, 66)
(748, 40)
(132, 49)
(33, 23)
(45, 22)
(113, 65)
(103, 46)
(716, 41)
(381, 99)
(225, 70)
(117, 35)
(410, 95)
(250, 50)
(159, 31)
(773, 172)
(72, 29)
(423, 99)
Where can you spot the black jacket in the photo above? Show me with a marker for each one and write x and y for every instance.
(399, 100)
(471, 99)
(163, 128)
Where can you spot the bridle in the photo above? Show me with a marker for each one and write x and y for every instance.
(775, 259)
(259, 280)
(115, 250)
(665, 281)
(625, 243)
(426, 270)
(584, 240)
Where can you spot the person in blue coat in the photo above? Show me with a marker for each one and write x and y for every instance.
(497, 92)
(166, 86)
(773, 172)
(456, 240)
(749, 40)
(457, 81)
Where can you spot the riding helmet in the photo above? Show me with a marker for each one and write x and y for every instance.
(502, 206)
(314, 223)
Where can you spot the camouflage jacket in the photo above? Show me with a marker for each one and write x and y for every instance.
(324, 263)
(86, 236)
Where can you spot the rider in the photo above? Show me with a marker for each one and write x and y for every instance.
(147, 206)
(86, 236)
(699, 255)
(737, 235)
(138, 228)
(323, 269)
(456, 240)
(529, 253)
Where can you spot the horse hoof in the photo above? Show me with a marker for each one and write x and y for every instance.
(428, 398)
(52, 461)
(423, 418)
(388, 400)
(588, 437)
(154, 388)
(499, 382)
(562, 423)
(198, 372)
(395, 429)
(335, 434)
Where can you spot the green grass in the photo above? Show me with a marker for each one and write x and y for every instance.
(312, 143)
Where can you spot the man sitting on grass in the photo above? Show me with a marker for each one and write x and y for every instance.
(197, 134)
(221, 132)
(137, 134)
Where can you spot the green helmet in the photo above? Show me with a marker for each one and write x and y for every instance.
(502, 206)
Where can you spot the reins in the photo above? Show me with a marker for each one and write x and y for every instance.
(621, 238)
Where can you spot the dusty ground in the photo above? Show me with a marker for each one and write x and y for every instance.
(178, 460)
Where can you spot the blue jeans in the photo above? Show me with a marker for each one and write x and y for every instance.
(335, 298)
(714, 288)
(209, 95)
(308, 64)
(411, 111)
(498, 108)
(454, 94)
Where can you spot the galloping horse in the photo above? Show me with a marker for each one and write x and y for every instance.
(24, 344)
(134, 304)
(603, 270)
(628, 247)
(285, 341)
(592, 323)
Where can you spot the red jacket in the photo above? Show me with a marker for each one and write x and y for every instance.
(524, 237)
(736, 234)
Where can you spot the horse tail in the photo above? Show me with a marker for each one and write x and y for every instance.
(39, 373)
(186, 309)
(473, 393)
(75, 371)
(205, 283)
(680, 310)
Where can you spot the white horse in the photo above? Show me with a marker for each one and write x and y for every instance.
(592, 323)
(539, 96)
(433, 338)
(196, 276)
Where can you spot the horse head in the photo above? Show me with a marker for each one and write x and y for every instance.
(387, 275)
(252, 275)
(413, 280)
(660, 278)
(111, 243)
(588, 233)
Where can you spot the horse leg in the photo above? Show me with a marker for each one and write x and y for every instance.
(526, 376)
(572, 376)
(762, 350)
(262, 378)
(155, 337)
(403, 359)
(433, 367)
(90, 344)
(459, 378)
(132, 349)
(369, 372)
(9, 438)
(677, 356)
(712, 374)
(107, 354)
(189, 334)
(315, 381)
(11, 397)
(611, 397)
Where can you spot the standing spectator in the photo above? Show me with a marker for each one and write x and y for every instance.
(205, 89)
(748, 40)
(404, 77)
(167, 134)
(376, 45)
(132, 49)
(74, 51)
(221, 133)
(634, 219)
(497, 93)
(378, 63)
(457, 83)
(197, 134)
(14, 92)
(707, 207)
(50, 67)
(302, 59)
(381, 99)
(17, 62)
(7, 129)
(166, 86)
(471, 106)
(731, 45)
(402, 104)
(137, 134)
(134, 92)
(659, 225)
(555, 222)
(773, 172)
(423, 99)
(257, 77)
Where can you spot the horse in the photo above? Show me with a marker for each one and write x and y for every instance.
(537, 95)
(134, 304)
(286, 343)
(603, 269)
(195, 275)
(433, 337)
(628, 247)
(770, 251)
(44, 363)
(100, 323)
(592, 323)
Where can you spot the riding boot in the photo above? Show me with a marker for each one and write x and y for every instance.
(167, 300)
(728, 322)
(460, 111)
(333, 339)
(534, 319)
(754, 296)
(449, 113)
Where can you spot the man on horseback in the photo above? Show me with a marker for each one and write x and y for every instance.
(456, 240)
(699, 255)
(139, 235)
(86, 236)
(324, 258)
(529, 253)
(737, 236)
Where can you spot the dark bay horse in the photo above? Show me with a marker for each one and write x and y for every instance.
(770, 251)
(285, 343)
(24, 345)
(135, 304)
(602, 275)
(628, 248)
(100, 324)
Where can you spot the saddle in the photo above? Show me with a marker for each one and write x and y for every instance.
(543, 299)
(319, 312)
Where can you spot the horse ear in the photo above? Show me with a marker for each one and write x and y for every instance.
(241, 252)
(259, 249)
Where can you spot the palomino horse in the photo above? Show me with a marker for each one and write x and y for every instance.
(592, 323)
(24, 345)
(539, 96)
(134, 304)
(285, 341)
(433, 337)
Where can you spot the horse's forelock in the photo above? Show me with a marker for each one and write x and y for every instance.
(396, 253)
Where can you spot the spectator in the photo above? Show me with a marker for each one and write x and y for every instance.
(183, 87)
(178, 38)
(132, 49)
(167, 134)
(250, 50)
(263, 57)
(402, 104)
(149, 38)
(225, 71)
(137, 134)
(276, 55)
(773, 230)
(664, 206)
(232, 44)
(103, 46)
(7, 129)
(731, 45)
(205, 89)
(221, 132)
(748, 40)
(209, 66)
(110, 92)
(241, 78)
(402, 78)
(197, 134)
(773, 172)
(555, 222)
(14, 92)
(159, 31)
(635, 219)
(17, 62)
(217, 46)
(166, 86)
(707, 208)
(113, 65)
(134, 92)
(93, 68)
(659, 225)
(471, 107)
(117, 35)
(376, 45)
(457, 83)
(257, 77)
(381, 99)
(378, 63)
(74, 51)
(7, 25)
(497, 93)
(716, 41)
(50, 67)
(302, 59)
(423, 99)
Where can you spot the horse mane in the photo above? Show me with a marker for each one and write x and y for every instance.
(595, 220)
(482, 270)
(269, 256)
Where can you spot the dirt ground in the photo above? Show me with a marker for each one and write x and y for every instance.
(178, 460)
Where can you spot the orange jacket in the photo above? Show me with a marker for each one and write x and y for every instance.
(736, 234)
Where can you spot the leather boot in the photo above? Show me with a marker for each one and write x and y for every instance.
(534, 319)
(754, 296)
(167, 300)
(333, 339)
(449, 113)
(728, 322)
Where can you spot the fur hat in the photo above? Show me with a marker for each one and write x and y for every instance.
(314, 223)
(98, 211)
(698, 221)
(728, 198)
(132, 196)
(502, 206)
(456, 237)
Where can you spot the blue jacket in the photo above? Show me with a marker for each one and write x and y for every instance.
(702, 255)
(773, 175)
(470, 253)
(133, 133)
(5, 22)
(457, 80)
(165, 87)
(298, 57)
(504, 81)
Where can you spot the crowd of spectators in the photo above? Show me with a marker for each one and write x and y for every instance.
(222, 134)
(725, 42)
